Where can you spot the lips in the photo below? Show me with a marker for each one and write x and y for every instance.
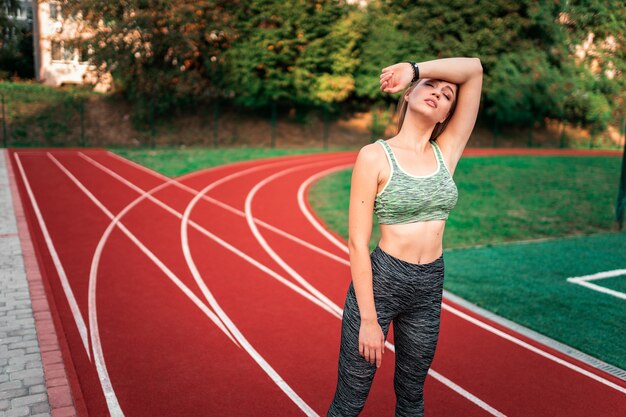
(431, 102)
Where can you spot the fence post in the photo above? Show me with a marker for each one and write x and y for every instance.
(274, 111)
(81, 105)
(325, 127)
(4, 125)
(216, 119)
(152, 128)
(621, 194)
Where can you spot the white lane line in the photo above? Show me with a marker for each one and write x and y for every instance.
(536, 350)
(453, 386)
(338, 311)
(209, 296)
(318, 227)
(310, 217)
(278, 380)
(390, 346)
(510, 337)
(109, 393)
(214, 237)
(177, 182)
(600, 275)
(67, 288)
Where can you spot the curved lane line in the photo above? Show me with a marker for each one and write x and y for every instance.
(202, 230)
(67, 288)
(278, 380)
(446, 381)
(311, 218)
(473, 320)
(215, 238)
(105, 381)
(455, 387)
(338, 311)
(177, 182)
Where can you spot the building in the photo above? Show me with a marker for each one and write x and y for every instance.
(58, 60)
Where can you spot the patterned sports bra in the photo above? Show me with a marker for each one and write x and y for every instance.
(408, 198)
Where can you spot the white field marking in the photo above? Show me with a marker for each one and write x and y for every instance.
(517, 341)
(445, 381)
(390, 346)
(105, 381)
(536, 350)
(177, 182)
(211, 235)
(67, 288)
(311, 218)
(278, 380)
(600, 275)
(338, 311)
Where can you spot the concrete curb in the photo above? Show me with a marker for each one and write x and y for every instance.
(60, 398)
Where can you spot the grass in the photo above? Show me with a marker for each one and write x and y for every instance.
(40, 115)
(178, 161)
(507, 199)
(504, 199)
(527, 283)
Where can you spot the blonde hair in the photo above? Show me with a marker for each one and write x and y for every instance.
(439, 127)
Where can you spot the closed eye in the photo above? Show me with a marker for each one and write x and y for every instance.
(427, 83)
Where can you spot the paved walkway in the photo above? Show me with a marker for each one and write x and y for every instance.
(33, 379)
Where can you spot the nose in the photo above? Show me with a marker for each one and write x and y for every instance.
(436, 93)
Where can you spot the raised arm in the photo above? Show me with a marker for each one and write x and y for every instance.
(362, 193)
(467, 73)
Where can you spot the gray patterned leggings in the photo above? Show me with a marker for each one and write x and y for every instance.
(410, 295)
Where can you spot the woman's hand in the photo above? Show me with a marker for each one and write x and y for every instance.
(396, 77)
(371, 342)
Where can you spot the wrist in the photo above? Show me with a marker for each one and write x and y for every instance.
(369, 319)
(416, 71)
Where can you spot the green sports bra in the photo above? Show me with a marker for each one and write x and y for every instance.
(408, 198)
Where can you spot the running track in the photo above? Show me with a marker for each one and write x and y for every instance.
(219, 293)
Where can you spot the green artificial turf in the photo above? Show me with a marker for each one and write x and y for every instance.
(527, 283)
(506, 198)
(178, 161)
(539, 199)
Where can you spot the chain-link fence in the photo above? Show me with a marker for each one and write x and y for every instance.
(34, 115)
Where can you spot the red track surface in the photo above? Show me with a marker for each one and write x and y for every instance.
(156, 352)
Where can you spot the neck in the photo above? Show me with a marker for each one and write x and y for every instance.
(415, 132)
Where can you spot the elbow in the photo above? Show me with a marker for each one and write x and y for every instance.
(357, 245)
(478, 66)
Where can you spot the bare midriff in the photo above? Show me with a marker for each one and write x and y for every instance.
(418, 242)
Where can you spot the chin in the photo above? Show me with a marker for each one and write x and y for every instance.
(424, 112)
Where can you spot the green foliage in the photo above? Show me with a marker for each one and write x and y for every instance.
(327, 53)
(16, 43)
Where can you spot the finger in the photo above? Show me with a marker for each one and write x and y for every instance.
(379, 359)
(361, 349)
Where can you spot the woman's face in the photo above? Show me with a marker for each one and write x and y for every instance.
(432, 98)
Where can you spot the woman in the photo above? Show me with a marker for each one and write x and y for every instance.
(407, 182)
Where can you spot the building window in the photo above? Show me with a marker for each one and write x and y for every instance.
(56, 51)
(55, 11)
(83, 54)
(67, 51)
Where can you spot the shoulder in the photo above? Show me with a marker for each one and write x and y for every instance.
(371, 154)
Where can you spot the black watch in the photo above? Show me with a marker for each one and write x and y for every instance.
(416, 71)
